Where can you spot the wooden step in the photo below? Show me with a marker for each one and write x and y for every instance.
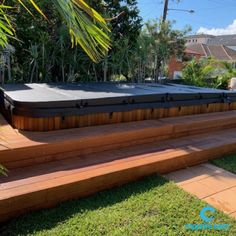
(21, 149)
(45, 185)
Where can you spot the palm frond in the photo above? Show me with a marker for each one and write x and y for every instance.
(86, 26)
(6, 28)
(36, 7)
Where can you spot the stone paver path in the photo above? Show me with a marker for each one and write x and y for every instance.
(209, 183)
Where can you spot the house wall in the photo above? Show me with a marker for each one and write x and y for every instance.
(194, 40)
(176, 65)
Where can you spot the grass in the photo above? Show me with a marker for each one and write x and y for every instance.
(228, 163)
(152, 206)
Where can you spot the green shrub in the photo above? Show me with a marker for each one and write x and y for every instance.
(208, 73)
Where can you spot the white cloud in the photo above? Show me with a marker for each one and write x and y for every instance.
(230, 29)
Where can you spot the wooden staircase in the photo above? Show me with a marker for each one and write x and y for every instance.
(50, 167)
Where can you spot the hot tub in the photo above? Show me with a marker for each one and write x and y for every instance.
(44, 107)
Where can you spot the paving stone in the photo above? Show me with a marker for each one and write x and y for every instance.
(209, 183)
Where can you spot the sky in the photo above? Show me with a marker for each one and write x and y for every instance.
(217, 17)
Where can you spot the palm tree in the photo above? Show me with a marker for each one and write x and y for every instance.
(86, 26)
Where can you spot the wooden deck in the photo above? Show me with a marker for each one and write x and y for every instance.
(49, 167)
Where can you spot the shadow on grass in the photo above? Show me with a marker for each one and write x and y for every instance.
(47, 219)
(227, 162)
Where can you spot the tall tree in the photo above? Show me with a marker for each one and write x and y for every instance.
(166, 42)
(128, 25)
(125, 32)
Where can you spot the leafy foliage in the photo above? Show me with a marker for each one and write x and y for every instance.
(6, 28)
(208, 72)
(86, 26)
(92, 38)
(44, 52)
(156, 44)
(229, 72)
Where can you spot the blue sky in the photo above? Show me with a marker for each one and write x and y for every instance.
(215, 16)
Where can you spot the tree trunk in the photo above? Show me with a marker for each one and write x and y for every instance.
(105, 70)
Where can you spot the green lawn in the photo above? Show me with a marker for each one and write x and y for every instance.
(228, 163)
(152, 206)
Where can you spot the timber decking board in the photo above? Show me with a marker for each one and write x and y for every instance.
(49, 183)
(28, 148)
(49, 167)
(15, 137)
(93, 161)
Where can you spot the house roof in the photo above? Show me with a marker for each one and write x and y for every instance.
(227, 40)
(219, 52)
(190, 51)
(231, 52)
(200, 36)
(197, 48)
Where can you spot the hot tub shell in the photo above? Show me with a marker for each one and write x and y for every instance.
(44, 107)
